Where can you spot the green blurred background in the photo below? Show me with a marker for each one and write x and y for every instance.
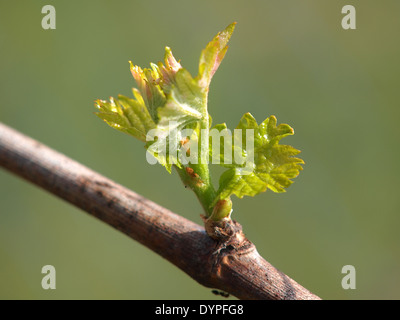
(338, 89)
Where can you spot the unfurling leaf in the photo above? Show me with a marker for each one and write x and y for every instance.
(127, 115)
(211, 57)
(168, 99)
(272, 165)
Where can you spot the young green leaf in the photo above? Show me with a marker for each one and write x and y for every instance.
(185, 107)
(273, 165)
(149, 88)
(186, 103)
(127, 115)
(168, 99)
(211, 57)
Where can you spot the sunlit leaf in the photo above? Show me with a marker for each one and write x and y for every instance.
(273, 165)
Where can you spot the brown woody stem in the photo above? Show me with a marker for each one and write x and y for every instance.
(233, 266)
